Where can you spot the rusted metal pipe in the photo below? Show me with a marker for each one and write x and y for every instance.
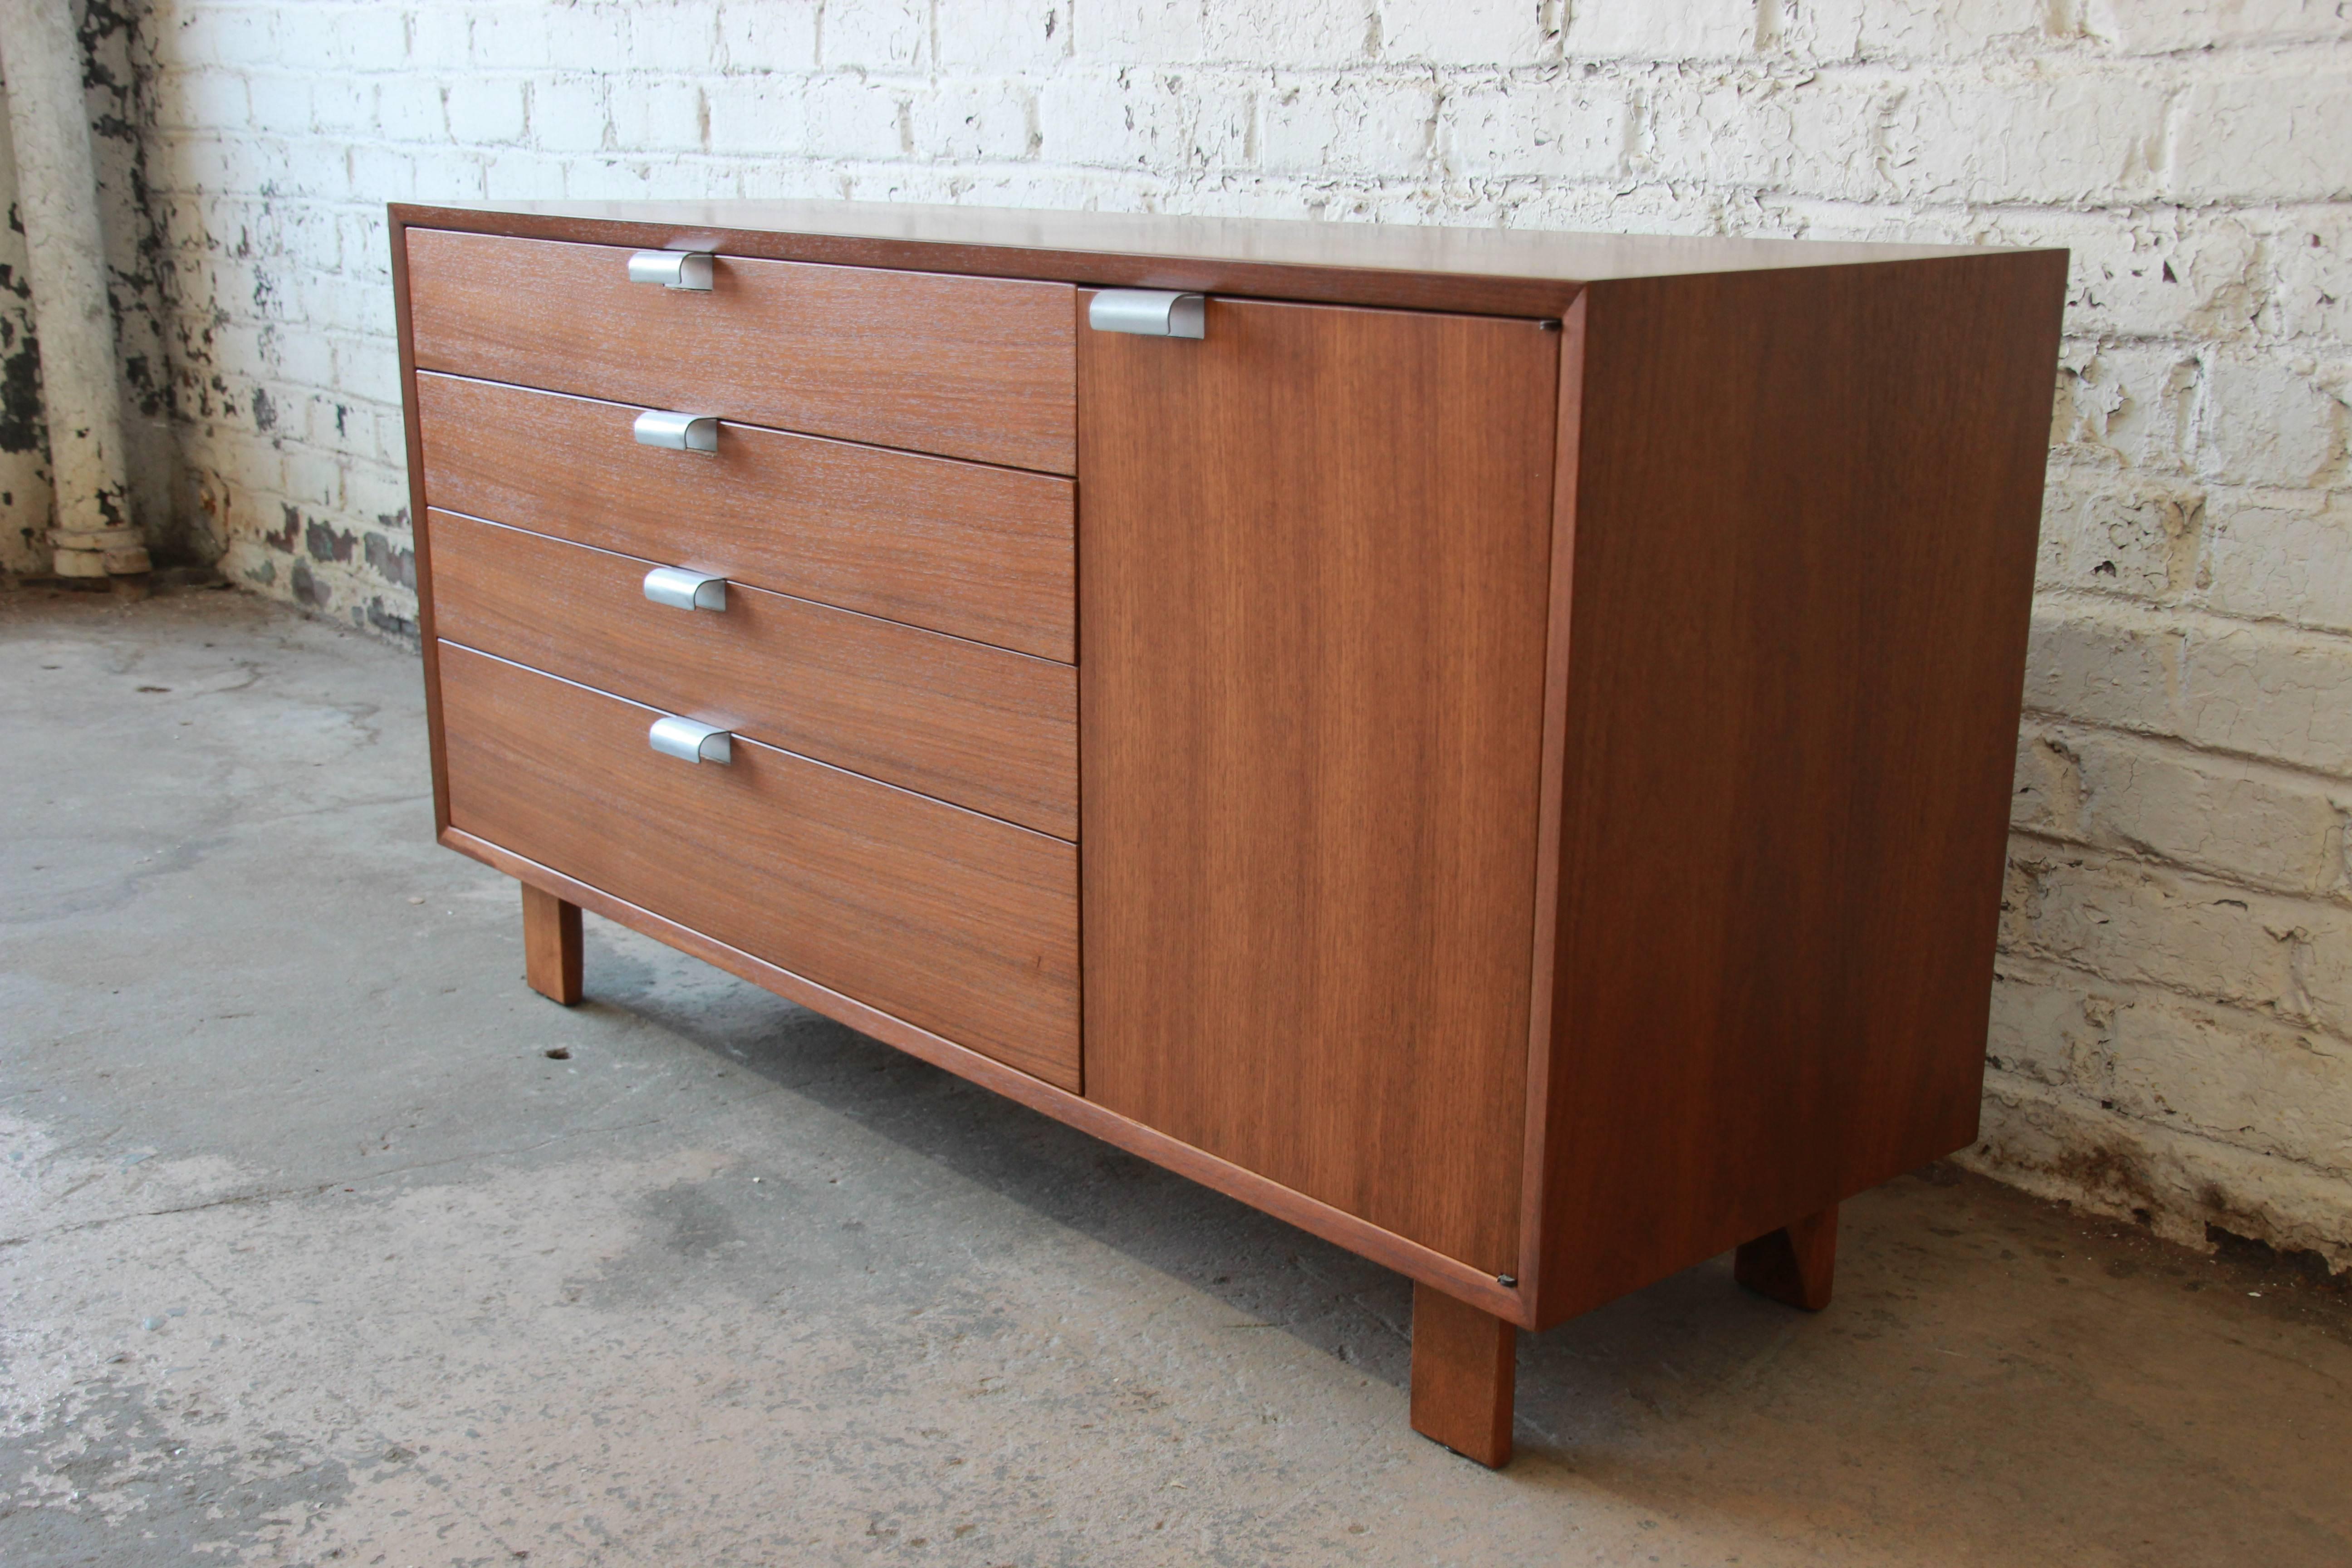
(56, 199)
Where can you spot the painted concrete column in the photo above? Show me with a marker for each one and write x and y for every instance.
(56, 198)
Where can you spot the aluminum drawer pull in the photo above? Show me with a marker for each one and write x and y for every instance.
(678, 432)
(1149, 312)
(683, 590)
(690, 742)
(688, 269)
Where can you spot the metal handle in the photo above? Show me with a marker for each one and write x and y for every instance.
(672, 269)
(689, 742)
(683, 590)
(1149, 313)
(678, 432)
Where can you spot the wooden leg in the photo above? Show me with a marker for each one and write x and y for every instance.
(550, 945)
(1794, 1264)
(1462, 1362)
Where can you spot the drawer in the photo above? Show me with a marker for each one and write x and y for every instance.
(955, 923)
(980, 553)
(974, 725)
(966, 367)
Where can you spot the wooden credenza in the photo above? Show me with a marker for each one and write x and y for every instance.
(1493, 747)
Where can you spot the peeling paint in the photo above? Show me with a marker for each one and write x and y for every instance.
(326, 542)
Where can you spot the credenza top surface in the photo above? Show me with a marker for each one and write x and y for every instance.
(1194, 251)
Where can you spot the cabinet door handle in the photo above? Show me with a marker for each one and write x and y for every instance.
(690, 742)
(1149, 313)
(678, 432)
(689, 269)
(683, 590)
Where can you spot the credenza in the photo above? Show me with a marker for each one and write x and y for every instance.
(1493, 747)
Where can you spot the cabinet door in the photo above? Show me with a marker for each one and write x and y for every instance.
(1314, 552)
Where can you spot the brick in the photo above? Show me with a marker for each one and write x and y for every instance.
(2132, 405)
(973, 121)
(2258, 826)
(197, 99)
(521, 175)
(2287, 556)
(410, 108)
(1560, 125)
(2150, 273)
(672, 116)
(217, 35)
(569, 114)
(510, 37)
(313, 480)
(368, 366)
(2270, 692)
(362, 38)
(1962, 136)
(599, 36)
(486, 110)
(1138, 32)
(2228, 1075)
(343, 105)
(2040, 1030)
(1637, 29)
(1316, 124)
(2268, 421)
(2264, 136)
(1156, 120)
(2283, 958)
(994, 37)
(2105, 666)
(441, 37)
(2308, 294)
(677, 36)
(2216, 1072)
(849, 116)
(2158, 27)
(2108, 533)
(1257, 32)
(308, 359)
(876, 35)
(767, 34)
(727, 114)
(1918, 29)
(1813, 133)
(1469, 32)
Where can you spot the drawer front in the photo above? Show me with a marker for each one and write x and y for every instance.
(974, 725)
(966, 367)
(980, 553)
(957, 923)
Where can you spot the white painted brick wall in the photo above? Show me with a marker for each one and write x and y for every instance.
(2171, 1022)
(25, 494)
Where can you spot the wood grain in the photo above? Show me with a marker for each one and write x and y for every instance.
(976, 726)
(1493, 271)
(412, 437)
(1795, 1265)
(1804, 542)
(1464, 1363)
(1315, 552)
(965, 367)
(551, 946)
(1384, 1247)
(957, 923)
(979, 553)
(1542, 958)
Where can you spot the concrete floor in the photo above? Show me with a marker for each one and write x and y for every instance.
(313, 1252)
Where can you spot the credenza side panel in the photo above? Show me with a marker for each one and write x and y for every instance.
(1314, 556)
(1806, 512)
